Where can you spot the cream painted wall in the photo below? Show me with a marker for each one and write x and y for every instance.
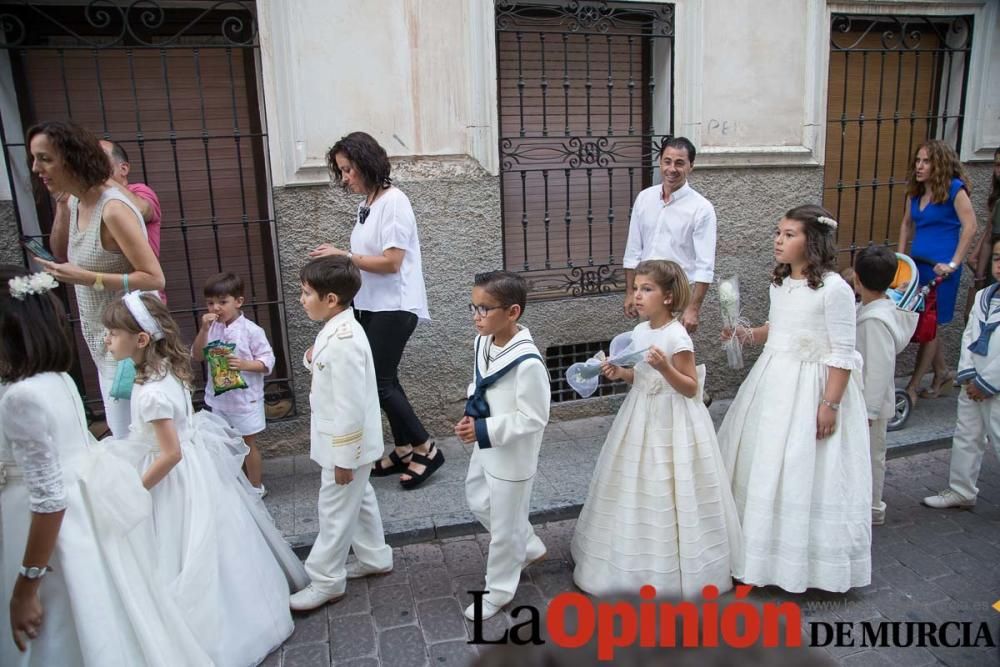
(754, 73)
(749, 78)
(401, 70)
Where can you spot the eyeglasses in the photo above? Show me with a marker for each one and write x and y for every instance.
(482, 311)
(363, 212)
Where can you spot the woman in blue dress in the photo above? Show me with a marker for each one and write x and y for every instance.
(939, 218)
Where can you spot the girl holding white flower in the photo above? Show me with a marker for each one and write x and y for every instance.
(659, 510)
(795, 439)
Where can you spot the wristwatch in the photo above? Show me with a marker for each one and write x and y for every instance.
(350, 256)
(952, 265)
(33, 572)
(830, 404)
(98, 285)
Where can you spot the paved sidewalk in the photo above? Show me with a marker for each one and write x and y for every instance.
(438, 509)
(929, 565)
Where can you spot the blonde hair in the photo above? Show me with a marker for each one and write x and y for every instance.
(670, 278)
(160, 355)
(945, 166)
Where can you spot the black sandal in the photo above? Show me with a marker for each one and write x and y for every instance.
(399, 465)
(430, 465)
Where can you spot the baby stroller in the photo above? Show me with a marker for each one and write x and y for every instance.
(907, 293)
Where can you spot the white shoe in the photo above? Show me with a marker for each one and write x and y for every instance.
(356, 570)
(531, 559)
(261, 490)
(535, 551)
(311, 597)
(489, 610)
(947, 499)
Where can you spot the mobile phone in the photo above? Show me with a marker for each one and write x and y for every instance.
(35, 247)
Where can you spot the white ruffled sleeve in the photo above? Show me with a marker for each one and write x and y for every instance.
(841, 323)
(153, 405)
(27, 426)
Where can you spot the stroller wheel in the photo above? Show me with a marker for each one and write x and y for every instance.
(903, 408)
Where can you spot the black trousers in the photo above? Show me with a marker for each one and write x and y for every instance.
(387, 334)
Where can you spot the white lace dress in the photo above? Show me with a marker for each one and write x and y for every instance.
(102, 603)
(805, 504)
(227, 565)
(659, 510)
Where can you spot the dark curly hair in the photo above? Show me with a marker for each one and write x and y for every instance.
(78, 148)
(34, 334)
(369, 158)
(821, 251)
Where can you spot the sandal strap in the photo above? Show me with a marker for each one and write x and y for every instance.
(397, 463)
(397, 459)
(421, 459)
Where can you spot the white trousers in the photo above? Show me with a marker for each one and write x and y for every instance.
(876, 436)
(117, 411)
(977, 422)
(503, 508)
(348, 518)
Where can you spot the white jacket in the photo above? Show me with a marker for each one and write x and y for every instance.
(883, 332)
(983, 370)
(345, 427)
(510, 438)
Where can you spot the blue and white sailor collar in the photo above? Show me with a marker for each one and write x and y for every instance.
(517, 347)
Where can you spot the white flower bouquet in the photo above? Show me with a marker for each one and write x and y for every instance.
(729, 303)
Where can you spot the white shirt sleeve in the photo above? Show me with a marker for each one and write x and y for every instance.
(841, 324)
(397, 226)
(705, 229)
(633, 246)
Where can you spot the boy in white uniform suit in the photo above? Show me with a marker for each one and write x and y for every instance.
(505, 416)
(345, 436)
(883, 332)
(978, 405)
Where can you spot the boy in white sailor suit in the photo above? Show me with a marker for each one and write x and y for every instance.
(505, 415)
(345, 436)
(978, 403)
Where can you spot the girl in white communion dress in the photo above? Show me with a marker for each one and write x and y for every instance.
(73, 565)
(659, 510)
(227, 565)
(795, 439)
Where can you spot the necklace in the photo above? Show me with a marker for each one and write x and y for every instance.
(795, 283)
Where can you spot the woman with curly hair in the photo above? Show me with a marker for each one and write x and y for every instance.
(939, 219)
(795, 440)
(103, 240)
(386, 249)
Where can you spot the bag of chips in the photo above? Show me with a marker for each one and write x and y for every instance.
(224, 378)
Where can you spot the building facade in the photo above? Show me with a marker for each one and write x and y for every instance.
(521, 131)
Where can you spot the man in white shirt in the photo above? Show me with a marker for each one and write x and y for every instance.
(672, 221)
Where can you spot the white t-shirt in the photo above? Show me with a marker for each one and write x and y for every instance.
(391, 224)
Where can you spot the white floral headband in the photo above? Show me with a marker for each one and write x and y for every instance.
(36, 283)
(145, 319)
(829, 222)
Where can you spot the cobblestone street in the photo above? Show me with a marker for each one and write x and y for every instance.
(931, 566)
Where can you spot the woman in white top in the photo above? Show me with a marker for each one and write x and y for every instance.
(103, 239)
(386, 249)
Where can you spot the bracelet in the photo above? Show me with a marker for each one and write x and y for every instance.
(831, 404)
(125, 282)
